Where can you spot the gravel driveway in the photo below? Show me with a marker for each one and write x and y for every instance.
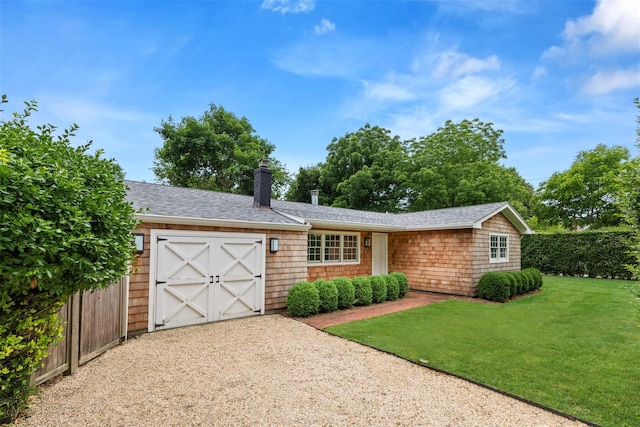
(267, 370)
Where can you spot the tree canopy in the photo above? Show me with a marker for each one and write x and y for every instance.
(458, 166)
(588, 192)
(217, 151)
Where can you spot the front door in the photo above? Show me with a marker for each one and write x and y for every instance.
(379, 254)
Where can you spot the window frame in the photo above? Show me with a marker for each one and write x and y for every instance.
(499, 239)
(325, 251)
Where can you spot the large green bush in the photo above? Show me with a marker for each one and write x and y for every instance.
(303, 300)
(328, 293)
(587, 253)
(65, 226)
(346, 292)
(363, 292)
(403, 284)
(393, 289)
(378, 289)
(494, 286)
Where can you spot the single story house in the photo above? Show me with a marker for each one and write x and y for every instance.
(210, 256)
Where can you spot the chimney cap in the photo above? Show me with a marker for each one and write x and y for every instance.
(263, 163)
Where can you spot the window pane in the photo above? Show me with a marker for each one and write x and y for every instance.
(332, 247)
(314, 245)
(350, 249)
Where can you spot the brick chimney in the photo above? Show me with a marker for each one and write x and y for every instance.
(262, 185)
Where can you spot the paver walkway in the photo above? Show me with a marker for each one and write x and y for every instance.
(411, 300)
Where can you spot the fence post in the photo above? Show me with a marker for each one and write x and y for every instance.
(74, 334)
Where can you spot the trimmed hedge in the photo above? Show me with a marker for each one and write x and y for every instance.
(306, 299)
(346, 292)
(328, 293)
(393, 289)
(403, 284)
(363, 292)
(378, 289)
(499, 286)
(303, 300)
(586, 253)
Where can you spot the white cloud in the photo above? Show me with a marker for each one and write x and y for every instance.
(605, 82)
(613, 27)
(325, 26)
(388, 91)
(289, 6)
(456, 64)
(472, 91)
(539, 72)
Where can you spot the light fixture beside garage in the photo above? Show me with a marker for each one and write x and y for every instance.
(274, 244)
(367, 242)
(138, 238)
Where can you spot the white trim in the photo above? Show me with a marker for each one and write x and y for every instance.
(341, 233)
(153, 255)
(343, 225)
(177, 220)
(499, 259)
(373, 249)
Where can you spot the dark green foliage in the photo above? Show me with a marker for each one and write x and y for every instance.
(363, 292)
(378, 289)
(393, 288)
(494, 286)
(65, 227)
(328, 293)
(346, 292)
(537, 277)
(513, 281)
(403, 284)
(589, 253)
(303, 300)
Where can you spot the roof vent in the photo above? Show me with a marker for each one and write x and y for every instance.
(262, 185)
(314, 197)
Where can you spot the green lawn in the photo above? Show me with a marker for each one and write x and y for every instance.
(574, 347)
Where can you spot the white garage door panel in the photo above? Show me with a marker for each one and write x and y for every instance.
(207, 278)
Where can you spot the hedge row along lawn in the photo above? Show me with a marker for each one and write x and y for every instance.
(573, 347)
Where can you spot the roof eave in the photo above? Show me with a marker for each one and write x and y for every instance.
(458, 226)
(177, 220)
(342, 225)
(513, 216)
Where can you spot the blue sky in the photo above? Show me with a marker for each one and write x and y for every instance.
(557, 76)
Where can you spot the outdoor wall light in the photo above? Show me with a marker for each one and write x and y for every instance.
(138, 238)
(367, 242)
(274, 244)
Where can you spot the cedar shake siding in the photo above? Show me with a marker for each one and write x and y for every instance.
(435, 261)
(498, 224)
(283, 269)
(329, 272)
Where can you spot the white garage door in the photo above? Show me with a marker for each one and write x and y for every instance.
(208, 277)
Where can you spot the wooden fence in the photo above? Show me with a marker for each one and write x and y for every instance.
(94, 322)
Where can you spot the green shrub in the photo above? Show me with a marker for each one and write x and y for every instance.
(513, 290)
(591, 253)
(363, 292)
(393, 288)
(531, 281)
(494, 286)
(346, 292)
(66, 227)
(378, 289)
(403, 284)
(328, 293)
(537, 277)
(303, 300)
(520, 283)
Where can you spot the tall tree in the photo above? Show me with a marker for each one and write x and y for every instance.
(630, 205)
(588, 192)
(307, 179)
(458, 166)
(217, 151)
(366, 170)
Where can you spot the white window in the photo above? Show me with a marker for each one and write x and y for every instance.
(499, 247)
(330, 247)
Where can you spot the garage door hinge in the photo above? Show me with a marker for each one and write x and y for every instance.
(257, 311)
(259, 241)
(159, 282)
(160, 239)
(159, 325)
(258, 276)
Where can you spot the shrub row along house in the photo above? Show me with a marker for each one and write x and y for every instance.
(207, 256)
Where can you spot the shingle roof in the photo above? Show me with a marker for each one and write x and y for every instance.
(194, 205)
